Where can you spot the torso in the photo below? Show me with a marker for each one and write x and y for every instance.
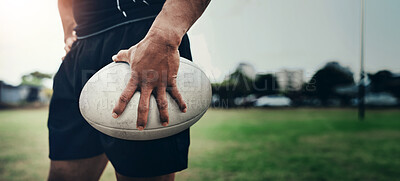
(93, 16)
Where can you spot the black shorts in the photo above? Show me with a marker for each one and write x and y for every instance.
(71, 137)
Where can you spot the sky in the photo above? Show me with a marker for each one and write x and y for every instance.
(269, 34)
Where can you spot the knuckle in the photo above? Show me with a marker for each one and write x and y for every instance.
(134, 75)
(143, 109)
(121, 54)
(163, 104)
(123, 98)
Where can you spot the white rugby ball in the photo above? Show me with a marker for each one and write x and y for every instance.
(102, 91)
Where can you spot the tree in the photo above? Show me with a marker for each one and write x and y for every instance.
(238, 84)
(385, 81)
(35, 82)
(323, 83)
(265, 84)
(241, 84)
(35, 78)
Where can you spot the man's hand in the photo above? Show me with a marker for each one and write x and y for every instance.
(155, 60)
(68, 43)
(154, 65)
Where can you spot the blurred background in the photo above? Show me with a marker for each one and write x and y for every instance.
(285, 77)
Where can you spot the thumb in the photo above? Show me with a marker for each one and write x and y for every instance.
(124, 55)
(121, 56)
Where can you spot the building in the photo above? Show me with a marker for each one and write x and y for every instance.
(17, 95)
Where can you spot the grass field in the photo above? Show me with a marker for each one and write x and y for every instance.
(239, 144)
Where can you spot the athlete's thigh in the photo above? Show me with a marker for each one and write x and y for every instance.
(87, 169)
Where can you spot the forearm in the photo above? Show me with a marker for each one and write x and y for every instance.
(67, 17)
(175, 19)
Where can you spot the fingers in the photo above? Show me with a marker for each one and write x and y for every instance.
(121, 56)
(74, 34)
(68, 44)
(125, 97)
(67, 48)
(143, 108)
(162, 104)
(124, 55)
(174, 92)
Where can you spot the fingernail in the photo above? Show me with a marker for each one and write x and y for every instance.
(114, 57)
(165, 123)
(114, 115)
(140, 128)
(184, 110)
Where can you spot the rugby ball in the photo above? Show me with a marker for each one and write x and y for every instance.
(102, 91)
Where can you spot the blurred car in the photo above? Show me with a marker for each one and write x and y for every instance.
(273, 101)
(380, 99)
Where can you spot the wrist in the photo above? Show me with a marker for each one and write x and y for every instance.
(168, 37)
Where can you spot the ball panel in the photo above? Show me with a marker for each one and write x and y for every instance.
(146, 134)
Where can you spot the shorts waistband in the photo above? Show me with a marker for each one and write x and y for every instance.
(114, 26)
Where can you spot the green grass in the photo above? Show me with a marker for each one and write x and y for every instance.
(244, 144)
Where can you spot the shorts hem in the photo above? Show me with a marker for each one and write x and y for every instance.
(73, 157)
(160, 173)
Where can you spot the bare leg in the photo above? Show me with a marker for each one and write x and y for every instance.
(89, 169)
(168, 177)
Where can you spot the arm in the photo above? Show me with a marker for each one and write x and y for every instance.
(155, 60)
(175, 19)
(68, 22)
